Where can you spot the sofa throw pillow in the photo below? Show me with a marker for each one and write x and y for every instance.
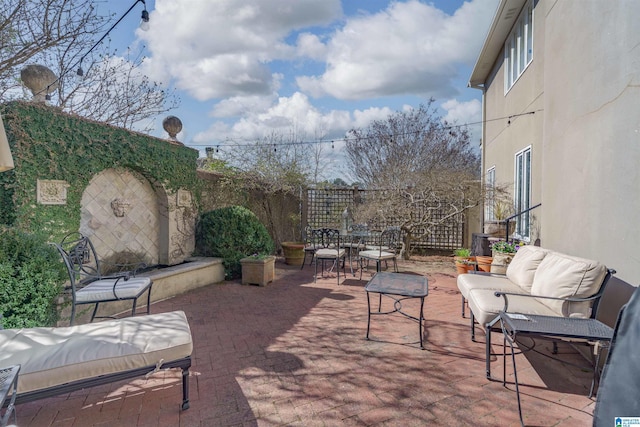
(524, 264)
(564, 276)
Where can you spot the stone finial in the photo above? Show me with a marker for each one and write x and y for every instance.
(172, 125)
(40, 80)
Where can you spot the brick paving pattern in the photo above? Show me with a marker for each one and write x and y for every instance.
(294, 354)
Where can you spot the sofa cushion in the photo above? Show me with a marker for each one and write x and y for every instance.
(496, 282)
(564, 276)
(54, 356)
(486, 306)
(524, 264)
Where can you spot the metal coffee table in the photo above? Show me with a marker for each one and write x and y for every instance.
(399, 287)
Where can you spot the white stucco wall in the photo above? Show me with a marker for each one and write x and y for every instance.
(591, 137)
(584, 84)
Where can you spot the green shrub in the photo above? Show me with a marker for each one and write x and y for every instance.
(232, 233)
(32, 276)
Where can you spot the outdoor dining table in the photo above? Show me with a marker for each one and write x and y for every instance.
(398, 287)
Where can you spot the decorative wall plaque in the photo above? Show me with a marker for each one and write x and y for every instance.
(51, 192)
(184, 198)
(120, 207)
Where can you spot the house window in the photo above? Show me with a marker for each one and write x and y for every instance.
(490, 180)
(522, 193)
(518, 48)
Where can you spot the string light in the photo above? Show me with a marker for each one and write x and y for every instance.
(144, 25)
(451, 128)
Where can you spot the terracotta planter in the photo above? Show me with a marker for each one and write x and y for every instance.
(293, 252)
(500, 262)
(257, 271)
(464, 264)
(484, 263)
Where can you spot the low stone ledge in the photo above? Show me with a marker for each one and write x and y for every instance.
(168, 282)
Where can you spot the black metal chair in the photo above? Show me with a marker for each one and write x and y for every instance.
(309, 246)
(355, 241)
(87, 283)
(327, 243)
(387, 247)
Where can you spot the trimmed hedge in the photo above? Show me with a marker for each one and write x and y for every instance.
(32, 276)
(232, 233)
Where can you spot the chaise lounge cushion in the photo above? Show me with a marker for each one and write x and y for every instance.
(564, 276)
(55, 356)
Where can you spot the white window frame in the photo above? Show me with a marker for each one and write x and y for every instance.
(490, 185)
(522, 193)
(518, 47)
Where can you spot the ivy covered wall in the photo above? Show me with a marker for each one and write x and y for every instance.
(48, 144)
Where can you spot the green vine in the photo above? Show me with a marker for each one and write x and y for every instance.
(49, 144)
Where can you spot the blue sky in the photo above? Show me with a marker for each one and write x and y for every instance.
(244, 69)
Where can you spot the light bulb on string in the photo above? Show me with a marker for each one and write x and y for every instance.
(144, 20)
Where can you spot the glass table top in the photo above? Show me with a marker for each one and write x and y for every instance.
(410, 285)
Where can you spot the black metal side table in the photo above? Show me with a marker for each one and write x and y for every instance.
(8, 389)
(514, 324)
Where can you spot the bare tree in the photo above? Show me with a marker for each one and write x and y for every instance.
(59, 35)
(273, 171)
(114, 91)
(425, 171)
(389, 153)
(434, 202)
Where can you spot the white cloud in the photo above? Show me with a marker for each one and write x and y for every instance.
(273, 66)
(285, 115)
(310, 45)
(465, 113)
(409, 48)
(215, 49)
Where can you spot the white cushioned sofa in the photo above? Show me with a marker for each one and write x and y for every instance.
(59, 360)
(538, 281)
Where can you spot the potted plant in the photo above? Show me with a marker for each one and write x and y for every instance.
(463, 260)
(293, 252)
(484, 263)
(503, 252)
(258, 269)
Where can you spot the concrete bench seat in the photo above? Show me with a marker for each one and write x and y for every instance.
(59, 360)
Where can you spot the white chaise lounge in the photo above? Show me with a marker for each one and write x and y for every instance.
(60, 360)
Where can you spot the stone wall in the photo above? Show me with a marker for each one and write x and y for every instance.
(119, 211)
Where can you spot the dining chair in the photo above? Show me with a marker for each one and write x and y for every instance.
(327, 242)
(355, 241)
(87, 283)
(309, 246)
(387, 247)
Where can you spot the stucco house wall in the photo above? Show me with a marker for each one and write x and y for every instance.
(584, 86)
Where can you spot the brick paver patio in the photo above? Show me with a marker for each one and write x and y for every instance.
(294, 353)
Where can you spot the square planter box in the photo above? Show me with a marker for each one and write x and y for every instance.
(258, 271)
